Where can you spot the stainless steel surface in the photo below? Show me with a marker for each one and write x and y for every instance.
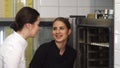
(93, 40)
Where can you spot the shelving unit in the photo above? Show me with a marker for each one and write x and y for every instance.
(94, 43)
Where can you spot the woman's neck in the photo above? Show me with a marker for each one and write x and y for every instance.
(24, 34)
(61, 47)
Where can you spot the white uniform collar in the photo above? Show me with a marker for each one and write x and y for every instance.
(21, 40)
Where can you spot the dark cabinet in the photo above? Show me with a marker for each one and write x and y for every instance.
(94, 43)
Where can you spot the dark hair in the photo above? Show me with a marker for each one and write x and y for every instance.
(64, 20)
(24, 15)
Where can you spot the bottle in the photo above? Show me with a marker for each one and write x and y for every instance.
(110, 15)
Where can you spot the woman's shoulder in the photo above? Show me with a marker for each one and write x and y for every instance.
(71, 49)
(44, 48)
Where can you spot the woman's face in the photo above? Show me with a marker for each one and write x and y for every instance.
(60, 31)
(35, 27)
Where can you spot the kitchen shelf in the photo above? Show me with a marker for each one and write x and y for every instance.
(100, 44)
(94, 43)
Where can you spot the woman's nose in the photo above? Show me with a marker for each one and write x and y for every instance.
(57, 31)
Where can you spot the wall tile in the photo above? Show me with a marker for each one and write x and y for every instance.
(104, 7)
(117, 42)
(117, 18)
(116, 66)
(48, 3)
(117, 57)
(86, 3)
(85, 10)
(36, 4)
(117, 1)
(67, 11)
(67, 2)
(104, 2)
(48, 12)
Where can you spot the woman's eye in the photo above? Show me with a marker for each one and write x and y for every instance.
(54, 28)
(39, 24)
(62, 28)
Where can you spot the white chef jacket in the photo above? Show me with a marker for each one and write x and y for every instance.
(12, 51)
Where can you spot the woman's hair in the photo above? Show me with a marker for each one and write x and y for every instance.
(24, 15)
(64, 20)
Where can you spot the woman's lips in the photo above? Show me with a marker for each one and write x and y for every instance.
(58, 36)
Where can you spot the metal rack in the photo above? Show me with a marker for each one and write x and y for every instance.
(94, 42)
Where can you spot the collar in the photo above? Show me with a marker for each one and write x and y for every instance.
(22, 41)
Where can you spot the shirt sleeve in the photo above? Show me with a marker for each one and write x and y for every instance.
(39, 57)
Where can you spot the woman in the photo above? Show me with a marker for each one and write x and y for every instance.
(57, 53)
(26, 25)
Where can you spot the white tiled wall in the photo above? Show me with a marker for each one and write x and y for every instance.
(65, 8)
(117, 41)
(68, 3)
(104, 2)
(117, 1)
(117, 58)
(48, 3)
(66, 11)
(86, 3)
(85, 10)
(117, 35)
(50, 12)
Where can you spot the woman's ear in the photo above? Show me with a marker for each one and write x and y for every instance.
(28, 26)
(69, 31)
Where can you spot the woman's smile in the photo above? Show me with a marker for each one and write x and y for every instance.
(58, 36)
